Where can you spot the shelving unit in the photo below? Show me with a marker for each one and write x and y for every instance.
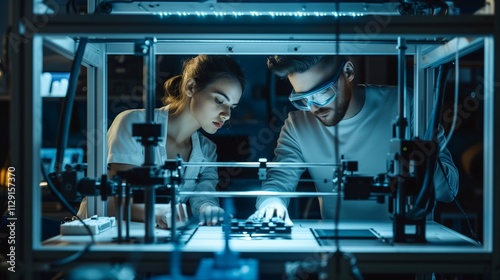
(432, 41)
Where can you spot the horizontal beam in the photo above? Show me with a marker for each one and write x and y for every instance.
(366, 28)
(299, 9)
(445, 53)
(255, 47)
(158, 254)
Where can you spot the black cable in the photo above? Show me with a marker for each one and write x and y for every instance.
(76, 255)
(71, 7)
(459, 206)
(62, 139)
(63, 131)
(426, 198)
(74, 7)
(65, 117)
(67, 7)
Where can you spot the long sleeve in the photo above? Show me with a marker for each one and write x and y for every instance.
(207, 177)
(445, 184)
(283, 179)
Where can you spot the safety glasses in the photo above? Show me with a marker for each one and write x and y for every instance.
(320, 97)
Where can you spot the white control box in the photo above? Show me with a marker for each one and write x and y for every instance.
(95, 224)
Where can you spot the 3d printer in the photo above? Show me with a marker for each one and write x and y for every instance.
(314, 34)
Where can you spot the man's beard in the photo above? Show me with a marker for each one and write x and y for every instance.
(332, 118)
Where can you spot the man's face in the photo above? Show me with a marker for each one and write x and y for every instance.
(310, 80)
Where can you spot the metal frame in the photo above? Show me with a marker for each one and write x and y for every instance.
(97, 122)
(237, 8)
(229, 28)
(24, 134)
(180, 34)
(249, 47)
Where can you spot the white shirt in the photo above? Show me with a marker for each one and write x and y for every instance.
(124, 148)
(363, 138)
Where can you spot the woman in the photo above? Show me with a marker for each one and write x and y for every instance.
(201, 97)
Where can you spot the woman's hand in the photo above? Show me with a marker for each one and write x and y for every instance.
(210, 215)
(163, 215)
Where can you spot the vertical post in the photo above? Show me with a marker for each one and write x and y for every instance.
(419, 97)
(149, 75)
(97, 123)
(149, 200)
(24, 136)
(176, 181)
(127, 213)
(120, 212)
(491, 182)
(401, 87)
(400, 201)
(402, 151)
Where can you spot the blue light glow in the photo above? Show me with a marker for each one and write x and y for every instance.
(260, 14)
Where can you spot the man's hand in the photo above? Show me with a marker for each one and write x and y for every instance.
(210, 215)
(163, 215)
(274, 209)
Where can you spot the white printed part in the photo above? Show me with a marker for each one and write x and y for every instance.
(55, 88)
(95, 224)
(45, 84)
(63, 87)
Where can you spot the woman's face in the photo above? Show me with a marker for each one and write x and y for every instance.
(212, 105)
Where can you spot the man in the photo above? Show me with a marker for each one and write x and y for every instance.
(333, 110)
